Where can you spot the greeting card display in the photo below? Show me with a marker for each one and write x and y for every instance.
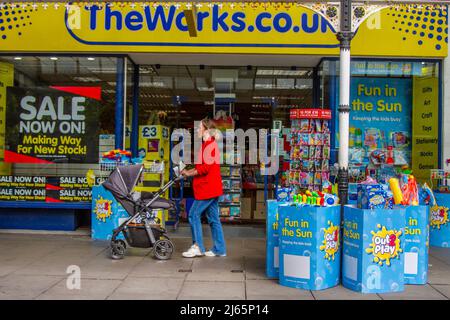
(310, 148)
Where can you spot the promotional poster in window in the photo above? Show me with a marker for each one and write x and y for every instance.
(52, 124)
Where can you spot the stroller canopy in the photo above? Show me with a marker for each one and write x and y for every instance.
(123, 179)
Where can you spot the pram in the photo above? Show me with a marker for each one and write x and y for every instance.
(142, 229)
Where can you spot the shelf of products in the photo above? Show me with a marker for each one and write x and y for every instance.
(230, 201)
(310, 153)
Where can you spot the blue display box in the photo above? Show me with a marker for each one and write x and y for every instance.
(309, 253)
(374, 242)
(439, 221)
(272, 264)
(107, 214)
(416, 244)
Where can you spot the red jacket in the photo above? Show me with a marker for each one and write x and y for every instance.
(208, 183)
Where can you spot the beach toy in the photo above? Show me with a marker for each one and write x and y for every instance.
(428, 190)
(410, 191)
(390, 155)
(396, 191)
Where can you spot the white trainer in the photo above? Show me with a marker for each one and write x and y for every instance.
(212, 254)
(194, 251)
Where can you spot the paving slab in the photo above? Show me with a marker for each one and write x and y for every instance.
(103, 267)
(222, 263)
(90, 289)
(255, 268)
(22, 287)
(415, 292)
(438, 272)
(341, 293)
(271, 290)
(56, 263)
(443, 254)
(215, 275)
(443, 289)
(207, 290)
(148, 289)
(149, 267)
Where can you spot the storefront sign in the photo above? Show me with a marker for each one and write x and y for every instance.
(252, 27)
(425, 127)
(310, 114)
(49, 125)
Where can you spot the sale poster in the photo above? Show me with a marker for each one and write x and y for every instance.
(52, 125)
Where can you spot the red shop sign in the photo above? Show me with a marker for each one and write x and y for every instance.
(310, 114)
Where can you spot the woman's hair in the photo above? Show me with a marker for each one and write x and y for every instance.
(208, 123)
(210, 126)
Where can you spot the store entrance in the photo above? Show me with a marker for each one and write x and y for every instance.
(238, 97)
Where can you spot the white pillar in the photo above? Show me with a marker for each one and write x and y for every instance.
(344, 105)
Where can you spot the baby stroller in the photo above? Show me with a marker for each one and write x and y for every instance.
(142, 229)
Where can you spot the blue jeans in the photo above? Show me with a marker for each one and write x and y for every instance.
(211, 207)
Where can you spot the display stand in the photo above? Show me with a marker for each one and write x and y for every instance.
(272, 240)
(416, 244)
(374, 243)
(310, 148)
(439, 214)
(106, 215)
(439, 221)
(309, 250)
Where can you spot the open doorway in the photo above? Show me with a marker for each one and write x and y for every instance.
(255, 97)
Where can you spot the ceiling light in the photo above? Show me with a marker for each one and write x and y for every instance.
(86, 79)
(17, 58)
(53, 58)
(280, 72)
(91, 59)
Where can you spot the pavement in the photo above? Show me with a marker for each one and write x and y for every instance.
(35, 266)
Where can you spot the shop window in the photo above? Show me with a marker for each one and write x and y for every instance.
(56, 117)
(394, 116)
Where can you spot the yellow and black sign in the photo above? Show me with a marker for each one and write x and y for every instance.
(252, 27)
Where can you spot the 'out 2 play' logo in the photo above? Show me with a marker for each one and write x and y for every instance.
(385, 245)
(330, 243)
(438, 216)
(102, 209)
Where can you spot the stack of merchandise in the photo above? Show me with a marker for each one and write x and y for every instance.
(326, 198)
(401, 190)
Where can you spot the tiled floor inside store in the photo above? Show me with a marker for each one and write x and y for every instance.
(35, 267)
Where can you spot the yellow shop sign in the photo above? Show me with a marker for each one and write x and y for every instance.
(269, 28)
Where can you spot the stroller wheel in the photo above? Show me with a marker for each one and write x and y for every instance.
(163, 249)
(118, 248)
